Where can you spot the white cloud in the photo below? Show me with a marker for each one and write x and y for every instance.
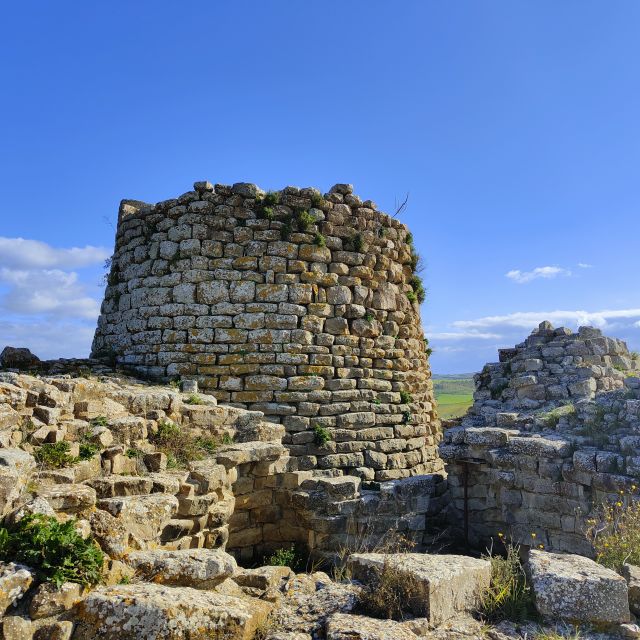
(530, 319)
(585, 265)
(19, 253)
(522, 277)
(46, 292)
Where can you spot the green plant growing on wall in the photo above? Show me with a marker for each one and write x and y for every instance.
(304, 219)
(194, 398)
(284, 557)
(286, 229)
(87, 451)
(406, 417)
(405, 397)
(418, 288)
(369, 317)
(319, 240)
(55, 550)
(54, 455)
(321, 435)
(317, 200)
(412, 297)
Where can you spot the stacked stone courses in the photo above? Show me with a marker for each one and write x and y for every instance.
(299, 305)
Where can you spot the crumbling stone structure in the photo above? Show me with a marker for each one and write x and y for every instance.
(553, 433)
(302, 306)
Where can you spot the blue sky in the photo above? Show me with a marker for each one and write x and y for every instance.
(513, 126)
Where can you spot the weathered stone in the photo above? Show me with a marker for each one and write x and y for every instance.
(16, 466)
(143, 516)
(197, 568)
(342, 626)
(49, 600)
(631, 574)
(15, 580)
(575, 588)
(449, 584)
(18, 358)
(154, 612)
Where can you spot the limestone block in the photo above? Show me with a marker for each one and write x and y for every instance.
(449, 584)
(342, 626)
(131, 612)
(631, 574)
(143, 516)
(16, 467)
(197, 568)
(576, 588)
(69, 498)
(49, 600)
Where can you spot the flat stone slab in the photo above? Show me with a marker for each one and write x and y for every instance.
(341, 626)
(197, 568)
(156, 612)
(575, 588)
(449, 584)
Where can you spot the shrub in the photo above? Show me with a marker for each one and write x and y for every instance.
(88, 450)
(369, 317)
(317, 200)
(194, 399)
(271, 198)
(134, 453)
(552, 418)
(99, 421)
(614, 532)
(54, 455)
(304, 219)
(412, 297)
(285, 557)
(390, 593)
(227, 439)
(319, 240)
(180, 446)
(405, 397)
(55, 550)
(418, 288)
(268, 214)
(320, 435)
(509, 596)
(406, 417)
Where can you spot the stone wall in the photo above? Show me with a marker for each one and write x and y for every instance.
(302, 306)
(553, 433)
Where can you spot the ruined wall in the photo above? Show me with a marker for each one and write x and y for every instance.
(302, 306)
(554, 432)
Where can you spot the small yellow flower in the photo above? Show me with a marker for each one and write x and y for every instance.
(633, 487)
(618, 504)
(500, 535)
(533, 535)
(540, 546)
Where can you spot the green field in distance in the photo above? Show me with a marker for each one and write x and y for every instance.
(454, 394)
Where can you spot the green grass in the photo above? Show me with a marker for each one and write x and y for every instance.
(454, 395)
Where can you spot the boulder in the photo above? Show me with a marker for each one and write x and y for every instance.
(15, 580)
(342, 626)
(110, 533)
(449, 584)
(16, 628)
(631, 574)
(575, 588)
(263, 578)
(197, 568)
(156, 612)
(18, 358)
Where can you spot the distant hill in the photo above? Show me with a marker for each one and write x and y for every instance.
(454, 393)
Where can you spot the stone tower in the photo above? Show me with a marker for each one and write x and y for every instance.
(302, 306)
